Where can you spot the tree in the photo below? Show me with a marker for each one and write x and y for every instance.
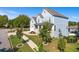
(71, 23)
(3, 20)
(10, 24)
(21, 21)
(61, 43)
(45, 32)
(19, 33)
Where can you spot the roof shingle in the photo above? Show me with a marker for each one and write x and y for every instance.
(54, 13)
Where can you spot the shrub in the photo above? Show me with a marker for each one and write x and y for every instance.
(72, 39)
(77, 47)
(61, 44)
(19, 33)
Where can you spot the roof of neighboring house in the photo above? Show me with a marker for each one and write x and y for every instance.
(54, 13)
(73, 27)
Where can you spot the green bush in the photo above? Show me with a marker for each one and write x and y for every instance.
(61, 44)
(71, 39)
(77, 47)
(19, 33)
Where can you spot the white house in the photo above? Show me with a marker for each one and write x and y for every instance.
(60, 22)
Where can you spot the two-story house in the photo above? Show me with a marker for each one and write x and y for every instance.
(59, 20)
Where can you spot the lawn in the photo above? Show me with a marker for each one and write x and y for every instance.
(71, 47)
(52, 47)
(35, 39)
(15, 40)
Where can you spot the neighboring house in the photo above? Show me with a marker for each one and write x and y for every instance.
(73, 29)
(60, 22)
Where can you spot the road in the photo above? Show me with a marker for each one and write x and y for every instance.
(4, 39)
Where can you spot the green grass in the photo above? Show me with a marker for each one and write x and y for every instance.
(71, 47)
(15, 40)
(35, 39)
(53, 46)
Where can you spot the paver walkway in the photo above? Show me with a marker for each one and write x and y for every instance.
(30, 42)
(4, 39)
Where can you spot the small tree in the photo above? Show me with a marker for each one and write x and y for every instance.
(19, 32)
(61, 43)
(40, 48)
(45, 32)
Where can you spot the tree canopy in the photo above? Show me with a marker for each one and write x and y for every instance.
(3, 20)
(72, 23)
(20, 21)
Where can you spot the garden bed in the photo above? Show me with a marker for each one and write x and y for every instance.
(15, 41)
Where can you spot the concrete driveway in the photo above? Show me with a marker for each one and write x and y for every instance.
(4, 39)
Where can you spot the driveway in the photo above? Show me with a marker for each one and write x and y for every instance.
(4, 39)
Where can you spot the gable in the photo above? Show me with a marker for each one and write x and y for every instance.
(56, 14)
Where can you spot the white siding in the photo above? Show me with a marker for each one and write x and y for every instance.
(61, 24)
(39, 19)
(32, 26)
(47, 16)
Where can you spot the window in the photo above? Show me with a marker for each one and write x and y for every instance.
(36, 26)
(49, 20)
(55, 28)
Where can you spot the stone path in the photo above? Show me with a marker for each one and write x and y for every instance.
(13, 33)
(4, 39)
(30, 43)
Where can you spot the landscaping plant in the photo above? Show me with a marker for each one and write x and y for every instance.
(72, 39)
(45, 32)
(19, 33)
(61, 42)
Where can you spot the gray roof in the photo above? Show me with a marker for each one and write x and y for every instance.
(40, 15)
(34, 19)
(54, 13)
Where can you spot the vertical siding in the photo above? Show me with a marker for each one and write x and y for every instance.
(61, 24)
(32, 27)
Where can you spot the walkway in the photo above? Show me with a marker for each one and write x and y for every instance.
(4, 39)
(30, 42)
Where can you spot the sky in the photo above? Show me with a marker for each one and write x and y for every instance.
(12, 12)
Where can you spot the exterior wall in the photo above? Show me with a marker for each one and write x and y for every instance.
(47, 16)
(61, 24)
(39, 19)
(32, 27)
